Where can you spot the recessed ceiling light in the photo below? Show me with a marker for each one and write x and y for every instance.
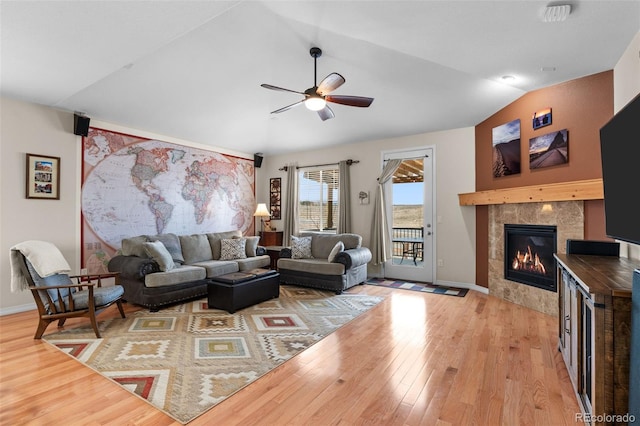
(556, 13)
(548, 69)
(507, 78)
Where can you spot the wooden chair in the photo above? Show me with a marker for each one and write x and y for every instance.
(58, 298)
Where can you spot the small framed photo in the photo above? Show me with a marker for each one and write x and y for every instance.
(43, 177)
(541, 118)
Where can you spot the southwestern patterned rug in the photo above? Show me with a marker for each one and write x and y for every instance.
(423, 287)
(187, 358)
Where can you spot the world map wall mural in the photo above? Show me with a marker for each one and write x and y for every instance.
(135, 186)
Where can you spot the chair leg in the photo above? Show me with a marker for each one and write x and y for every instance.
(42, 326)
(94, 324)
(61, 322)
(119, 303)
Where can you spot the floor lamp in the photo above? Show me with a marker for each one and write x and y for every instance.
(261, 212)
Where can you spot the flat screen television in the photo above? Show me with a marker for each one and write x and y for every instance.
(620, 148)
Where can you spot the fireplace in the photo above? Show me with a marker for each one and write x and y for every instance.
(528, 251)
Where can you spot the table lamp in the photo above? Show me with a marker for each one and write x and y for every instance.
(261, 212)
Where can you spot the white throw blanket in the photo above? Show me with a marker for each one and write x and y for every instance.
(45, 258)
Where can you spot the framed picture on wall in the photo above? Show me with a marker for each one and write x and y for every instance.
(548, 150)
(506, 149)
(43, 177)
(541, 118)
(275, 197)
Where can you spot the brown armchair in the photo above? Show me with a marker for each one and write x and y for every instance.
(58, 297)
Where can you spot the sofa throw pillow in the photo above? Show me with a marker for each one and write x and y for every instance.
(339, 247)
(233, 248)
(216, 237)
(252, 246)
(301, 247)
(159, 253)
(172, 243)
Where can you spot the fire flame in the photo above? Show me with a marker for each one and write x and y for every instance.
(527, 261)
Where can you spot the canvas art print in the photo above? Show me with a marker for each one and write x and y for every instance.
(506, 149)
(541, 118)
(548, 150)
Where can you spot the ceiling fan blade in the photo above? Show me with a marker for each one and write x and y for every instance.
(288, 107)
(357, 101)
(269, 86)
(330, 83)
(326, 113)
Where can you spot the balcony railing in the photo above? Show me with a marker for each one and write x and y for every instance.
(406, 233)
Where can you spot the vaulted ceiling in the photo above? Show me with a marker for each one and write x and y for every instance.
(193, 69)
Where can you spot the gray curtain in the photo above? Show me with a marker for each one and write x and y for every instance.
(291, 205)
(344, 203)
(380, 244)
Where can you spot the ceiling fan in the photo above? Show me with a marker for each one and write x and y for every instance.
(316, 97)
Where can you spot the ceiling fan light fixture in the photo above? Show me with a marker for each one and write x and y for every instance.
(315, 103)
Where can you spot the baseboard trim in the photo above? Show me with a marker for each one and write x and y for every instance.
(17, 309)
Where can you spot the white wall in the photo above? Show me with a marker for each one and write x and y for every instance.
(626, 75)
(626, 85)
(30, 128)
(455, 173)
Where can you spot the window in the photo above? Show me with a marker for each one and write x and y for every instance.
(318, 199)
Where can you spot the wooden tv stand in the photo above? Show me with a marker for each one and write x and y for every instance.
(594, 337)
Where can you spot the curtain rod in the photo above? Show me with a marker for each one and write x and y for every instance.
(349, 162)
(410, 158)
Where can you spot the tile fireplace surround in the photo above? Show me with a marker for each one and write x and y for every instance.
(567, 216)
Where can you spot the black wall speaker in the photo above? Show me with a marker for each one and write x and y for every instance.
(257, 159)
(80, 125)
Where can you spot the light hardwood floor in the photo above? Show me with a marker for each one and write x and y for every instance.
(414, 359)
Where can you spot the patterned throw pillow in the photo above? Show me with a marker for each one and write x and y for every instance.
(233, 248)
(339, 247)
(301, 247)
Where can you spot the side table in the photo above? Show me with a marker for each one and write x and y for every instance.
(271, 238)
(274, 254)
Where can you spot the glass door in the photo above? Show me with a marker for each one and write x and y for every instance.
(409, 204)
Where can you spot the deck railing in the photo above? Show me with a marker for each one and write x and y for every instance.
(398, 248)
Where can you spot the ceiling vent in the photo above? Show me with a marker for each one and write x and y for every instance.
(557, 13)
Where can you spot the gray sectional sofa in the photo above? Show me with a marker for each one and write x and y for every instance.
(345, 269)
(160, 270)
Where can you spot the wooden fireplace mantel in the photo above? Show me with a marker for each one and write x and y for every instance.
(590, 189)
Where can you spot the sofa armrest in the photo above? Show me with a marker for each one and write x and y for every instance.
(353, 257)
(133, 267)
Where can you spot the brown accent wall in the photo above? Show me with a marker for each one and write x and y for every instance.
(581, 106)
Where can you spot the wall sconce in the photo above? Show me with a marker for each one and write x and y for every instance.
(363, 197)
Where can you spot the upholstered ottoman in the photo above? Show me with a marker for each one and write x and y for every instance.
(239, 290)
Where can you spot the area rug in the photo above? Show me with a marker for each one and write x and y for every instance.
(186, 359)
(425, 288)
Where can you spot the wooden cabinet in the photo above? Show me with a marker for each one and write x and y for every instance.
(271, 238)
(594, 338)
